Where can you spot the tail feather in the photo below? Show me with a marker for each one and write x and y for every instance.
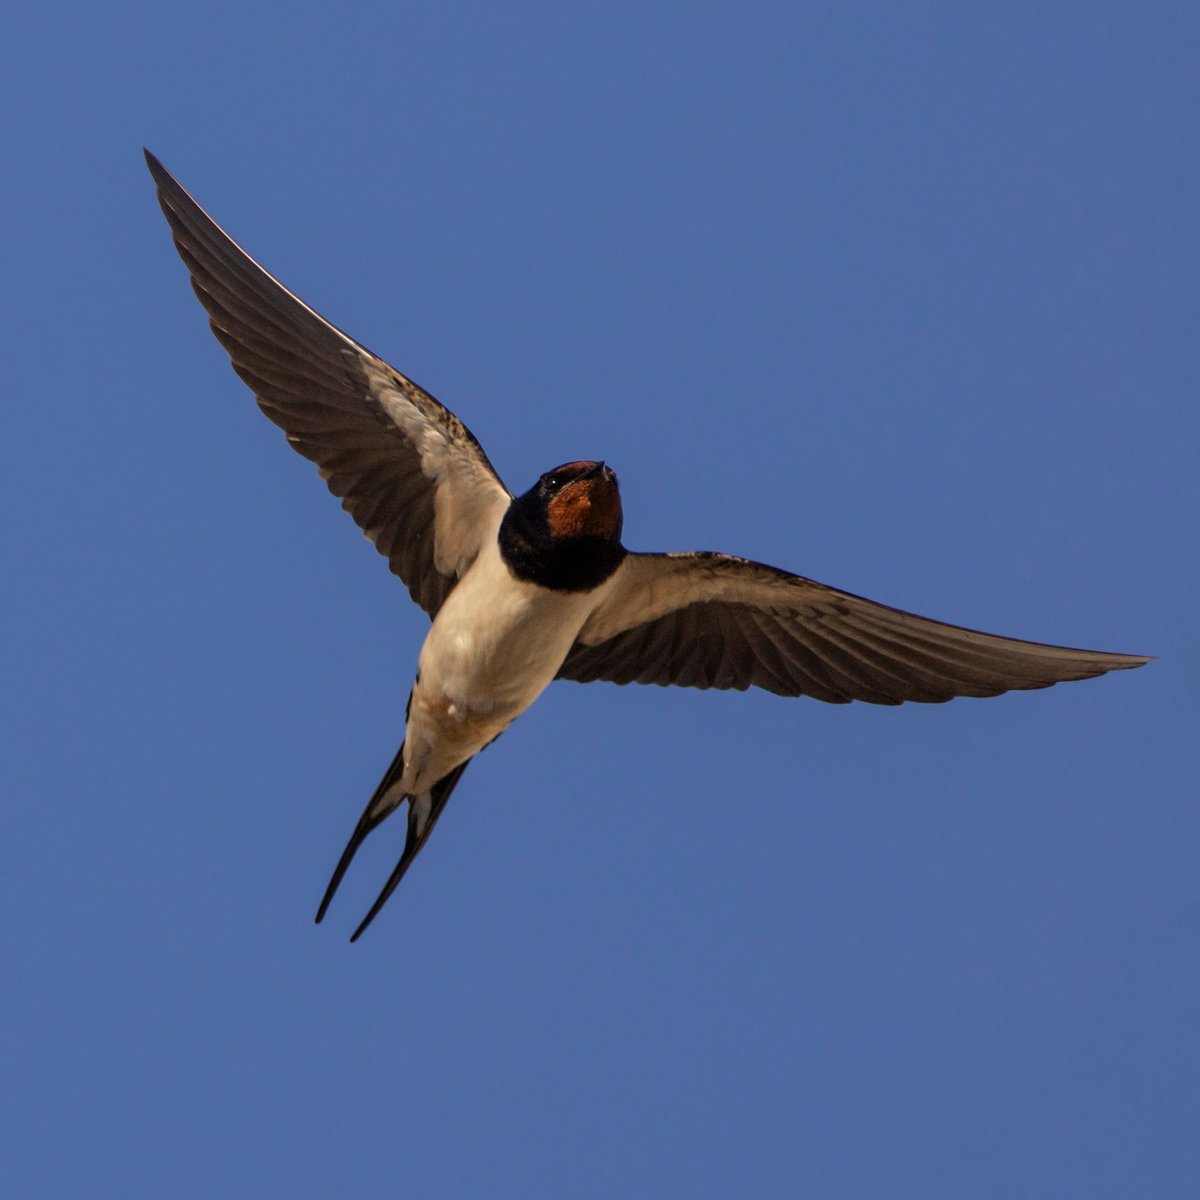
(423, 812)
(377, 811)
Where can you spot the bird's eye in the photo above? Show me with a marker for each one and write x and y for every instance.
(552, 482)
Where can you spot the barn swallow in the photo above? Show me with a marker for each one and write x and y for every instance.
(526, 589)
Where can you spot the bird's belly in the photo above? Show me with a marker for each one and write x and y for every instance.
(493, 648)
(497, 654)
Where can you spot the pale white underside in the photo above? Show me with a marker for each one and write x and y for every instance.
(493, 648)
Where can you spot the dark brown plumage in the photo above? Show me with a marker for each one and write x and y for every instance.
(715, 621)
(383, 445)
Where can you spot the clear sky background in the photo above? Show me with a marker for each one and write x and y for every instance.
(899, 296)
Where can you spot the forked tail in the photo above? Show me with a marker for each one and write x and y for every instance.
(423, 812)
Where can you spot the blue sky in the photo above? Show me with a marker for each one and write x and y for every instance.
(901, 297)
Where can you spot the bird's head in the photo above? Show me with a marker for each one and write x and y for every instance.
(580, 499)
(565, 532)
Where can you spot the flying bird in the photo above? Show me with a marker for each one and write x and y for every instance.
(526, 589)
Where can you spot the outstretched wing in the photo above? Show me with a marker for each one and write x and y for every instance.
(405, 468)
(715, 621)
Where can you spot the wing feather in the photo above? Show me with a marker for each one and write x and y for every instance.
(405, 468)
(716, 621)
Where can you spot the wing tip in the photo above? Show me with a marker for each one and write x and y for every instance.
(1122, 662)
(161, 175)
